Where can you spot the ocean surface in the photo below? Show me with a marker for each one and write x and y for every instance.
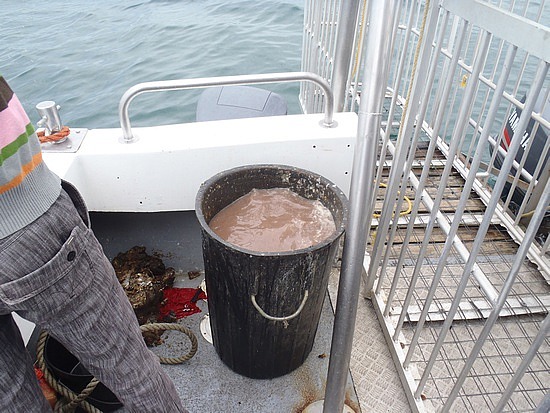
(85, 54)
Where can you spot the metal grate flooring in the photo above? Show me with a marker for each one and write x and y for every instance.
(520, 320)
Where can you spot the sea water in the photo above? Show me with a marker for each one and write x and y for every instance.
(85, 54)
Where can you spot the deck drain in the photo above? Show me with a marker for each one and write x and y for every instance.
(206, 331)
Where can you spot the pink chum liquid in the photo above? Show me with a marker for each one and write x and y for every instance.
(273, 220)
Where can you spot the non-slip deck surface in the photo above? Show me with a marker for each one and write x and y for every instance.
(205, 384)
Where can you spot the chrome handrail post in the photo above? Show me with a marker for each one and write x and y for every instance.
(381, 16)
(344, 49)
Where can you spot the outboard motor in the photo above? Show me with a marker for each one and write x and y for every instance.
(236, 102)
(539, 139)
(537, 142)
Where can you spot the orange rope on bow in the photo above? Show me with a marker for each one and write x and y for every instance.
(54, 137)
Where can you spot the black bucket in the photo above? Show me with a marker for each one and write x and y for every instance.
(265, 306)
(66, 368)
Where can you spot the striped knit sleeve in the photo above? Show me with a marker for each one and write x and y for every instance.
(19, 151)
(27, 187)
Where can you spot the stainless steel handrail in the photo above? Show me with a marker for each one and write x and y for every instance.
(180, 84)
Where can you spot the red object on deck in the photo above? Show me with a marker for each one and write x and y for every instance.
(181, 302)
(48, 392)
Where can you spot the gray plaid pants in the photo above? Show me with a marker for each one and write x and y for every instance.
(54, 273)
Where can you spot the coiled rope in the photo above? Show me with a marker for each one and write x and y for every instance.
(55, 136)
(79, 399)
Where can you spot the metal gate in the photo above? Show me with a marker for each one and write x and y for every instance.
(458, 263)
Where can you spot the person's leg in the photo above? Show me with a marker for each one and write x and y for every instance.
(75, 295)
(99, 327)
(19, 389)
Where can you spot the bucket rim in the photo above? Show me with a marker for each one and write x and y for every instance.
(337, 233)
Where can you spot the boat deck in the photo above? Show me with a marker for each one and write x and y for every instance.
(205, 383)
(374, 375)
(375, 385)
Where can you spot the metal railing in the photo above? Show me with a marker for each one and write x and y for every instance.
(319, 42)
(467, 96)
(182, 84)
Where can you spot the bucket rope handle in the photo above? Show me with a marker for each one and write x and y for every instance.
(272, 318)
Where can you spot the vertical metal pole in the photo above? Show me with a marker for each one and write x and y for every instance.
(381, 18)
(347, 20)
